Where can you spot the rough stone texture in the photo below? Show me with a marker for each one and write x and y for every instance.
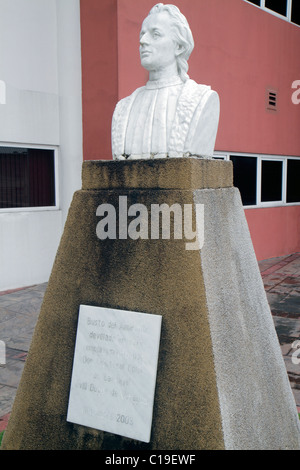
(257, 405)
(151, 276)
(166, 173)
(221, 382)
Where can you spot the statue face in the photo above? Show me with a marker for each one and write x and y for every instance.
(158, 49)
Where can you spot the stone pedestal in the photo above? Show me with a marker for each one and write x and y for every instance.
(221, 380)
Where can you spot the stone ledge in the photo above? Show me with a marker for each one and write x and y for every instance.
(165, 173)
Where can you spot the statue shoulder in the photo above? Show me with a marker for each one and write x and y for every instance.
(201, 136)
(195, 90)
(191, 102)
(124, 105)
(128, 100)
(119, 122)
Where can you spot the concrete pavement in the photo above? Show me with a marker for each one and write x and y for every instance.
(281, 277)
(19, 311)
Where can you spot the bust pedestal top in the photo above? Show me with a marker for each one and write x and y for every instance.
(164, 173)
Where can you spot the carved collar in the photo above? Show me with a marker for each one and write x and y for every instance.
(164, 82)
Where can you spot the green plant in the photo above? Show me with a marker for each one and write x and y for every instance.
(1, 436)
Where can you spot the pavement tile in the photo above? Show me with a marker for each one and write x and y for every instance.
(6, 315)
(296, 393)
(29, 306)
(10, 374)
(280, 289)
(18, 326)
(22, 343)
(7, 396)
(21, 356)
(283, 264)
(6, 302)
(287, 327)
(295, 292)
(286, 348)
(291, 281)
(287, 308)
(281, 279)
(284, 304)
(289, 272)
(292, 368)
(3, 422)
(15, 354)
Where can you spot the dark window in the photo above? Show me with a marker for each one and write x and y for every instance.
(256, 2)
(293, 181)
(296, 12)
(279, 6)
(244, 178)
(27, 177)
(271, 180)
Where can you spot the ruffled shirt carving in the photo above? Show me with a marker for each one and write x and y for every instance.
(157, 120)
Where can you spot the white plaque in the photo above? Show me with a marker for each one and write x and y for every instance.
(114, 371)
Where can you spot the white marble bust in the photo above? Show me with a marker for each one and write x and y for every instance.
(172, 115)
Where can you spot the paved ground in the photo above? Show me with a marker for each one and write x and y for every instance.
(281, 277)
(18, 315)
(19, 311)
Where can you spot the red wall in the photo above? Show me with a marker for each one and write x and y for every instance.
(275, 231)
(99, 55)
(240, 50)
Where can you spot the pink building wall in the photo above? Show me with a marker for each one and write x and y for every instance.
(240, 50)
(99, 56)
(275, 231)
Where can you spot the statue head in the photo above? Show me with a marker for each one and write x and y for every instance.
(178, 42)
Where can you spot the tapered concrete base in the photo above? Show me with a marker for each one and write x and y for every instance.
(221, 380)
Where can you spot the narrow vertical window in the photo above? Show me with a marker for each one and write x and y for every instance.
(244, 178)
(293, 181)
(271, 180)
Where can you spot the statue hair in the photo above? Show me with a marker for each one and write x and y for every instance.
(182, 34)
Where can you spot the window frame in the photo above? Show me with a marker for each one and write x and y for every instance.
(287, 17)
(286, 177)
(56, 178)
(281, 201)
(232, 154)
(288, 10)
(260, 158)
